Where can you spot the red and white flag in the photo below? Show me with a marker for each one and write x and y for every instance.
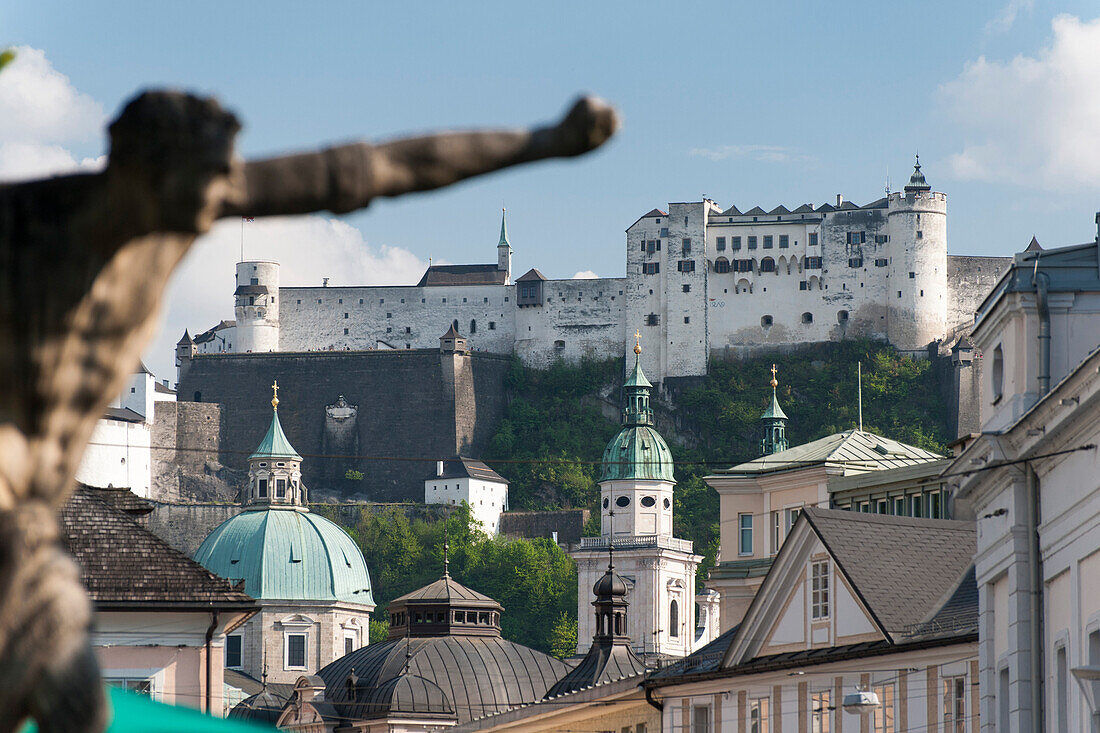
(249, 218)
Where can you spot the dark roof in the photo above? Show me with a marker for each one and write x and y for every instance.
(707, 659)
(781, 209)
(459, 467)
(881, 203)
(755, 211)
(848, 206)
(123, 414)
(463, 275)
(1033, 246)
(804, 209)
(251, 686)
(531, 274)
(122, 564)
(444, 590)
(601, 665)
(826, 207)
(478, 675)
(185, 339)
(405, 695)
(209, 335)
(263, 707)
(452, 333)
(732, 211)
(123, 499)
(874, 551)
(163, 388)
(250, 290)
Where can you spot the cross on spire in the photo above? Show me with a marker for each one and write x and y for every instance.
(774, 382)
(637, 342)
(275, 398)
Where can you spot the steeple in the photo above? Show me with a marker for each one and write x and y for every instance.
(274, 468)
(636, 390)
(775, 423)
(916, 181)
(504, 249)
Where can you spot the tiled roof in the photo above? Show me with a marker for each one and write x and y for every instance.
(731, 211)
(654, 212)
(877, 551)
(532, 274)
(122, 564)
(462, 275)
(856, 449)
(755, 211)
(781, 209)
(123, 499)
(122, 414)
(459, 467)
(804, 209)
(209, 335)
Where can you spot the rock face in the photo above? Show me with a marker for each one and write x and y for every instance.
(417, 404)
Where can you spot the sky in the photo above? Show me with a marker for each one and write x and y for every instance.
(747, 104)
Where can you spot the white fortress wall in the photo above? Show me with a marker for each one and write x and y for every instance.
(577, 319)
(917, 295)
(324, 318)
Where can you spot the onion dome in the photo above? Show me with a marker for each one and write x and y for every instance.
(610, 585)
(638, 451)
(916, 181)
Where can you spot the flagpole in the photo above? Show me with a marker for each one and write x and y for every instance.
(242, 239)
(859, 392)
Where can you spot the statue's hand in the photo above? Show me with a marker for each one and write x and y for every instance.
(587, 125)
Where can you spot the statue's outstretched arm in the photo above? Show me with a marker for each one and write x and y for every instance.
(348, 177)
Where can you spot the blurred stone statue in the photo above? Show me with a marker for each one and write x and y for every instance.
(84, 260)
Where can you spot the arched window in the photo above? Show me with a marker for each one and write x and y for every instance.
(765, 321)
(721, 265)
(198, 397)
(455, 324)
(807, 317)
(767, 265)
(473, 326)
(998, 372)
(674, 619)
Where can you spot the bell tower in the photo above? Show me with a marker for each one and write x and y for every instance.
(275, 469)
(775, 424)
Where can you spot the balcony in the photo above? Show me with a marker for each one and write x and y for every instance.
(632, 542)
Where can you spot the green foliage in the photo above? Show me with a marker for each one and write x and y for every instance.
(352, 475)
(6, 57)
(563, 636)
(533, 579)
(379, 630)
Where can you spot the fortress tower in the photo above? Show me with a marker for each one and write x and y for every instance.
(917, 295)
(257, 307)
(504, 251)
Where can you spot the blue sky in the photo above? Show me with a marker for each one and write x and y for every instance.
(763, 104)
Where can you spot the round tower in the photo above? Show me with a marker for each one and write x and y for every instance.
(636, 479)
(257, 306)
(916, 291)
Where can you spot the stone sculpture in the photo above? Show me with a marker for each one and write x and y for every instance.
(84, 260)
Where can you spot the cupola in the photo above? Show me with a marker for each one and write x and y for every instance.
(917, 184)
(775, 423)
(275, 468)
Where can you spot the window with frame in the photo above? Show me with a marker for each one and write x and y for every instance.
(792, 515)
(720, 244)
(651, 268)
(674, 619)
(812, 263)
(954, 705)
(132, 684)
(769, 241)
(700, 719)
(803, 285)
(813, 239)
(295, 651)
(735, 243)
(686, 266)
(349, 643)
(881, 262)
(686, 287)
(883, 716)
(784, 241)
(742, 265)
(233, 650)
(855, 262)
(820, 712)
(653, 320)
(777, 532)
(744, 529)
(758, 715)
(819, 590)
(280, 488)
(686, 246)
(752, 242)
(261, 488)
(664, 231)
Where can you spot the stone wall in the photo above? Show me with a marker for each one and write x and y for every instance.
(969, 281)
(568, 523)
(186, 455)
(415, 406)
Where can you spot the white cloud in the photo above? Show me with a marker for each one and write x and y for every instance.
(762, 153)
(1004, 20)
(1032, 120)
(308, 249)
(585, 275)
(41, 113)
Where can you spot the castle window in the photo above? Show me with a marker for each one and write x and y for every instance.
(842, 316)
(721, 265)
(653, 320)
(492, 325)
(345, 316)
(381, 301)
(766, 321)
(767, 265)
(340, 301)
(252, 300)
(812, 263)
(408, 329)
(768, 241)
(920, 234)
(559, 345)
(912, 276)
(687, 319)
(735, 243)
(473, 326)
(882, 238)
(881, 262)
(360, 301)
(674, 619)
(651, 268)
(720, 244)
(686, 244)
(299, 301)
(686, 266)
(813, 239)
(807, 317)
(463, 300)
(648, 501)
(345, 332)
(254, 281)
(856, 237)
(742, 265)
(784, 241)
(664, 230)
(855, 262)
(389, 315)
(318, 300)
(389, 329)
(687, 287)
(198, 397)
(752, 242)
(425, 300)
(899, 293)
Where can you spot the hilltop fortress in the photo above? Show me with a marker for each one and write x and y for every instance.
(700, 282)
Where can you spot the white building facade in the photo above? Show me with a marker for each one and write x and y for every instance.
(457, 480)
(700, 281)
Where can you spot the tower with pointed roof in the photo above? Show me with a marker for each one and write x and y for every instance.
(504, 250)
(636, 506)
(775, 423)
(275, 468)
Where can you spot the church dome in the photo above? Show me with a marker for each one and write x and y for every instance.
(288, 554)
(610, 585)
(637, 452)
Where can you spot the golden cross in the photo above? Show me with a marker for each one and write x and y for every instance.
(773, 371)
(774, 383)
(275, 399)
(637, 342)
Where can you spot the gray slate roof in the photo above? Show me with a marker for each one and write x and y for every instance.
(445, 590)
(601, 665)
(462, 275)
(902, 568)
(858, 450)
(461, 467)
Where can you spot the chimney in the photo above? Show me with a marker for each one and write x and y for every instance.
(439, 468)
(839, 200)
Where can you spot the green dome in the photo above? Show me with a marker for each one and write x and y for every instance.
(637, 452)
(287, 554)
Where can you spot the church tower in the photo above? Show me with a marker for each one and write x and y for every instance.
(636, 496)
(775, 424)
(275, 468)
(504, 251)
